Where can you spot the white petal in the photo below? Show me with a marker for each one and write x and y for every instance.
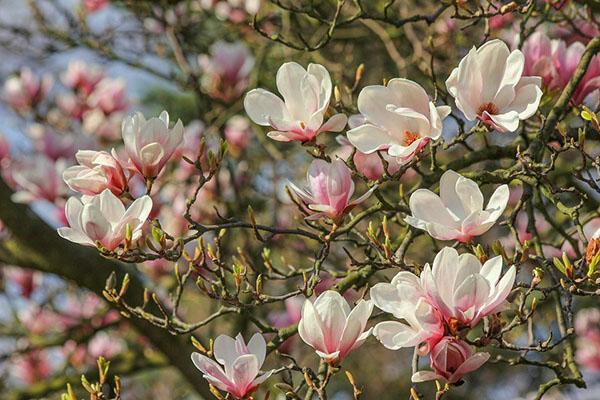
(261, 104)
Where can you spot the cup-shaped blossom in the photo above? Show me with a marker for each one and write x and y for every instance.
(38, 179)
(226, 70)
(103, 219)
(299, 116)
(151, 143)
(237, 366)
(330, 187)
(109, 95)
(97, 170)
(566, 60)
(333, 329)
(24, 91)
(400, 118)
(451, 359)
(538, 51)
(457, 213)
(464, 290)
(82, 76)
(489, 85)
(404, 297)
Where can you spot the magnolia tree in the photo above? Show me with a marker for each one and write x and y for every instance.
(300, 199)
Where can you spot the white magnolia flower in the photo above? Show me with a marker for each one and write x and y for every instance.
(404, 298)
(299, 116)
(331, 328)
(463, 290)
(151, 143)
(457, 213)
(237, 369)
(103, 219)
(398, 118)
(489, 85)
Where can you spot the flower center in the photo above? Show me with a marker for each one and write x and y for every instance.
(491, 108)
(410, 138)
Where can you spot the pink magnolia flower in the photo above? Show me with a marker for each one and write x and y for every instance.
(151, 143)
(225, 72)
(329, 190)
(71, 105)
(26, 90)
(539, 52)
(82, 77)
(98, 170)
(566, 59)
(95, 5)
(54, 145)
(104, 127)
(241, 373)
(105, 345)
(109, 95)
(489, 85)
(451, 359)
(333, 329)
(463, 290)
(32, 367)
(238, 133)
(299, 116)
(405, 298)
(587, 327)
(103, 219)
(399, 118)
(38, 178)
(27, 280)
(457, 213)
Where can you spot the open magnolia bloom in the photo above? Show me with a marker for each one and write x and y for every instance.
(488, 85)
(457, 213)
(299, 116)
(330, 187)
(451, 359)
(97, 170)
(239, 371)
(151, 143)
(331, 328)
(405, 299)
(103, 219)
(399, 118)
(463, 290)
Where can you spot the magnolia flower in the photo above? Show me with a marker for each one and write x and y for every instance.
(299, 116)
(238, 133)
(71, 105)
(151, 143)
(331, 328)
(226, 70)
(104, 127)
(538, 51)
(399, 118)
(463, 290)
(38, 178)
(32, 367)
(566, 60)
(329, 190)
(238, 373)
(103, 219)
(54, 145)
(82, 76)
(451, 359)
(489, 85)
(26, 90)
(406, 300)
(109, 95)
(98, 170)
(457, 213)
